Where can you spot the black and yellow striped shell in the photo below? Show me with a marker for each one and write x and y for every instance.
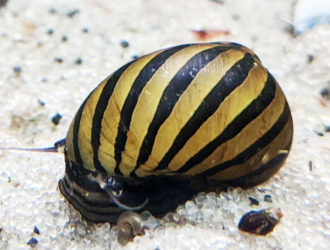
(175, 121)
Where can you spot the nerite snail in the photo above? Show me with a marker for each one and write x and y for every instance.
(173, 123)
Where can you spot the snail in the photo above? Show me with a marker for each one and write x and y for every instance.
(173, 123)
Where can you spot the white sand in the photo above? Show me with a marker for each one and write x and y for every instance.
(29, 195)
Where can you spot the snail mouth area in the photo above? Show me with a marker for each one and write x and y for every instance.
(164, 194)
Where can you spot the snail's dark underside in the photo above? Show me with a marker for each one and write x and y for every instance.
(164, 193)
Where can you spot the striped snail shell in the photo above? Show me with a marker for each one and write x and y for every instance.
(172, 123)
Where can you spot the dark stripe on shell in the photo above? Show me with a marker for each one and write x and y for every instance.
(171, 95)
(75, 138)
(99, 113)
(251, 179)
(251, 112)
(263, 141)
(131, 100)
(230, 81)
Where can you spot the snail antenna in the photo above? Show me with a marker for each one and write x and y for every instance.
(110, 192)
(57, 148)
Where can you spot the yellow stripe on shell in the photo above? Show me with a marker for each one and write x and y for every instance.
(187, 104)
(111, 116)
(252, 132)
(148, 102)
(272, 150)
(69, 143)
(229, 109)
(85, 127)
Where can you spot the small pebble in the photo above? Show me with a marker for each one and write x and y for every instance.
(219, 1)
(50, 31)
(326, 128)
(52, 11)
(310, 58)
(33, 242)
(260, 222)
(253, 201)
(72, 13)
(36, 230)
(56, 119)
(268, 198)
(85, 30)
(3, 3)
(124, 44)
(42, 103)
(58, 59)
(318, 133)
(311, 166)
(17, 71)
(78, 61)
(325, 93)
(129, 224)
(64, 38)
(15, 183)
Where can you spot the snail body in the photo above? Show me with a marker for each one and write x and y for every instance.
(172, 123)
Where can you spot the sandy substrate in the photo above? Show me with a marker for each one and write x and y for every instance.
(44, 39)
